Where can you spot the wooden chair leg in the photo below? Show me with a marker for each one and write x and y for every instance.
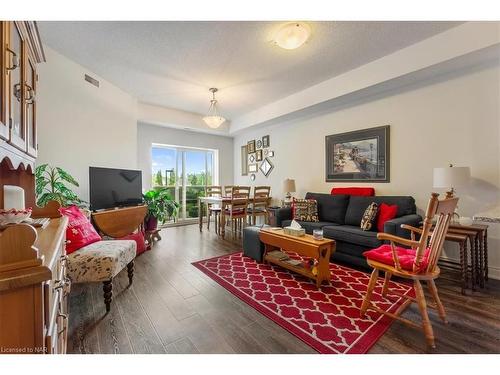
(130, 272)
(434, 293)
(107, 287)
(369, 291)
(422, 306)
(385, 288)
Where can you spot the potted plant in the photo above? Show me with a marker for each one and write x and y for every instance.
(160, 208)
(52, 185)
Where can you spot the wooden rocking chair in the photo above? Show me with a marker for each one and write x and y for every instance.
(419, 263)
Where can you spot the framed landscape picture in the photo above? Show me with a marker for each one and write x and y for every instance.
(361, 156)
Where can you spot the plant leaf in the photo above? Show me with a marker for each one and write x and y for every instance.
(66, 176)
(40, 185)
(40, 170)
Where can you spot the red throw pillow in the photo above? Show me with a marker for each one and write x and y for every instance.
(385, 212)
(80, 231)
(357, 191)
(139, 240)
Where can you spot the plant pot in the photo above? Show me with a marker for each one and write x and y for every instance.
(151, 223)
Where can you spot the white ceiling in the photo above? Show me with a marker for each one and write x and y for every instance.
(174, 63)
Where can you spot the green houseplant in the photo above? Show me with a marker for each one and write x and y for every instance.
(52, 183)
(160, 207)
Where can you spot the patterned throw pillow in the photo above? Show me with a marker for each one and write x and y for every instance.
(305, 210)
(369, 216)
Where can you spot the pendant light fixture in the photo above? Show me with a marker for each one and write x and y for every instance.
(213, 119)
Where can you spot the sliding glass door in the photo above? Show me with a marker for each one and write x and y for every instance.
(185, 173)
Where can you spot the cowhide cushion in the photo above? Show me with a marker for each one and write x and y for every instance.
(100, 261)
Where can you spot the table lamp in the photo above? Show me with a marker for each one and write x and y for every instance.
(288, 188)
(450, 177)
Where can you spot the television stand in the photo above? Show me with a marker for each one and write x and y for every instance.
(118, 222)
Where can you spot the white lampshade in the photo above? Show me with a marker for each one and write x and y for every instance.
(449, 177)
(214, 121)
(289, 186)
(292, 35)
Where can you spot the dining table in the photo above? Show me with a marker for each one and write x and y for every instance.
(222, 202)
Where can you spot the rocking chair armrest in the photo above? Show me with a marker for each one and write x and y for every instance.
(413, 229)
(396, 239)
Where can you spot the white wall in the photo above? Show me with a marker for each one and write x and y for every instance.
(80, 125)
(148, 134)
(450, 119)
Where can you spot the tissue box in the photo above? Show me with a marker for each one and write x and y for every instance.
(294, 231)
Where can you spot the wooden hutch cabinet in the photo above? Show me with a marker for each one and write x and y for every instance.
(21, 50)
(33, 282)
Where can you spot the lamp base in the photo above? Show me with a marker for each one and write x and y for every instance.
(450, 194)
(287, 202)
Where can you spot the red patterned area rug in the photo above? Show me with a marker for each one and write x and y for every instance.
(328, 319)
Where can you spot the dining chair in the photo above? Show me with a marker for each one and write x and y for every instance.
(417, 262)
(236, 210)
(259, 204)
(214, 209)
(228, 189)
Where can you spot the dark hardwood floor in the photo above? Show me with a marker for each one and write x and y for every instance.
(174, 308)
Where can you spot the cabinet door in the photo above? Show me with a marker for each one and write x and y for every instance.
(15, 48)
(30, 107)
(4, 63)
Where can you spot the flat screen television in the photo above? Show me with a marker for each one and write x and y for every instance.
(111, 188)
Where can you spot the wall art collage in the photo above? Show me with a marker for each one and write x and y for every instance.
(256, 156)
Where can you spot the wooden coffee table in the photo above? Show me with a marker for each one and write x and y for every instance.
(276, 239)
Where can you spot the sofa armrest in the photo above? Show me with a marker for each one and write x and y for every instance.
(394, 226)
(284, 213)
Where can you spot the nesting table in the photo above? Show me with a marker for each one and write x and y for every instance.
(474, 237)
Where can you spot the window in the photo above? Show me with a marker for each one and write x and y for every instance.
(185, 172)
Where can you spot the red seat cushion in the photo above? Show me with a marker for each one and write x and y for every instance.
(80, 231)
(383, 254)
(139, 240)
(385, 212)
(358, 191)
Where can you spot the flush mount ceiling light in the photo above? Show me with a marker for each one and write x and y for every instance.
(292, 35)
(213, 119)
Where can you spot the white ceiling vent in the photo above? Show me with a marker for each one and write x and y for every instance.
(91, 80)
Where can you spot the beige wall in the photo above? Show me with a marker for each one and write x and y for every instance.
(81, 125)
(453, 119)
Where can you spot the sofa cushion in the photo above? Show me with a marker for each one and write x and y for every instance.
(309, 226)
(305, 209)
(358, 205)
(352, 234)
(363, 191)
(331, 208)
(386, 213)
(368, 220)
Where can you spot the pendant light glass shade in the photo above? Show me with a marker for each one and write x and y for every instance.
(292, 35)
(213, 119)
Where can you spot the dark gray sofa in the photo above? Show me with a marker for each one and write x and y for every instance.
(340, 218)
